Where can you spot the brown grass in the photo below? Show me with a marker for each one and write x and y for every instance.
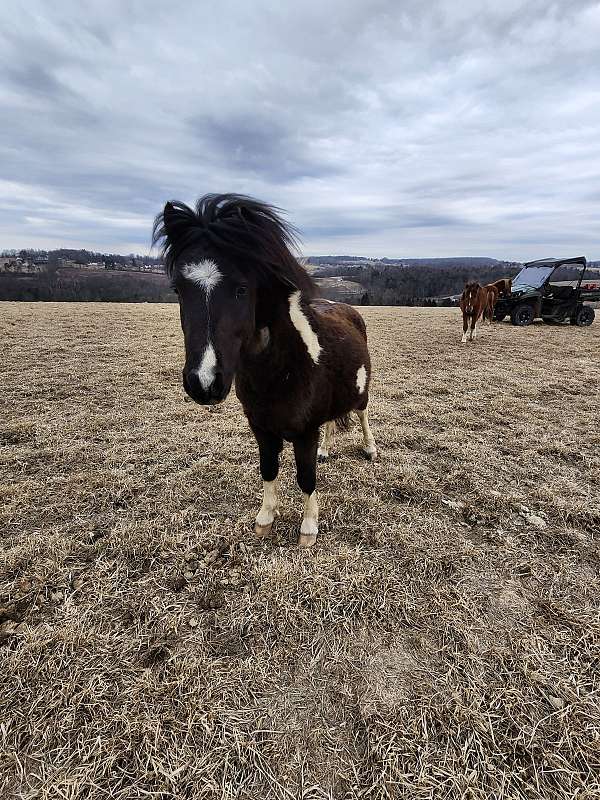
(439, 641)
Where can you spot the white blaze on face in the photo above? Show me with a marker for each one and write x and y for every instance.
(205, 274)
(361, 379)
(302, 325)
(206, 370)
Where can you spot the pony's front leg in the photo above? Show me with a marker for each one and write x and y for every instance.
(270, 446)
(465, 328)
(473, 331)
(305, 453)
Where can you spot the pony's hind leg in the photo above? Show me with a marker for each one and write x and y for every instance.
(305, 453)
(269, 447)
(369, 448)
(326, 441)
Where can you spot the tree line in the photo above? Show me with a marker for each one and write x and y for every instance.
(387, 284)
(71, 285)
(382, 283)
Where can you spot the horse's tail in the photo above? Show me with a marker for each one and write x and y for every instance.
(343, 423)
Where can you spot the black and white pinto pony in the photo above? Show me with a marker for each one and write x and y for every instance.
(249, 311)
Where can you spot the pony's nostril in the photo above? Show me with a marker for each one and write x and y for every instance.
(192, 386)
(216, 388)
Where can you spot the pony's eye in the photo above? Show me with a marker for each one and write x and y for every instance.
(241, 291)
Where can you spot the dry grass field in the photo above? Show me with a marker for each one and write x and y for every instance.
(442, 640)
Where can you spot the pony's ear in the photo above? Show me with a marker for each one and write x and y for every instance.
(169, 216)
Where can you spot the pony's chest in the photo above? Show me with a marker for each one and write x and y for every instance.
(281, 403)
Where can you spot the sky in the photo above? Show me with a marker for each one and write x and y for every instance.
(383, 128)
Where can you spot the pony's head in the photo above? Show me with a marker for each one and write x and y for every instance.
(470, 293)
(229, 260)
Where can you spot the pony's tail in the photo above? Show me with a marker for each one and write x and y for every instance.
(343, 423)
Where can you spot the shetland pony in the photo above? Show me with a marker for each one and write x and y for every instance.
(473, 304)
(249, 311)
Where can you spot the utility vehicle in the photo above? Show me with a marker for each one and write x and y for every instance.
(535, 296)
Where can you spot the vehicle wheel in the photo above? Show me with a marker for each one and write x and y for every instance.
(522, 315)
(583, 317)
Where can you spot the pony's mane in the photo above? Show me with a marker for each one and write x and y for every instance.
(242, 229)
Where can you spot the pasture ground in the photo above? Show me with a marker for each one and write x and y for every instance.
(442, 640)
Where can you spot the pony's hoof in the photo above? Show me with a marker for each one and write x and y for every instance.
(262, 530)
(370, 453)
(322, 457)
(307, 539)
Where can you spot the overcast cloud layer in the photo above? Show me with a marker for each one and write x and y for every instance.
(383, 128)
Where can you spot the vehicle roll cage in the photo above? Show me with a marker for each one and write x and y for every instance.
(559, 262)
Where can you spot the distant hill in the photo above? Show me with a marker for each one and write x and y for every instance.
(446, 263)
(440, 263)
(88, 286)
(412, 282)
(364, 282)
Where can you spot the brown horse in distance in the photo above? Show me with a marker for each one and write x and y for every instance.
(504, 286)
(492, 298)
(473, 304)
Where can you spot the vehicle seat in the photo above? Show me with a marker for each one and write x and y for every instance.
(560, 292)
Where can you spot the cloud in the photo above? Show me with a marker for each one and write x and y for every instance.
(384, 128)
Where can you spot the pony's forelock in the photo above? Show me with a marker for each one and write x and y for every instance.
(245, 231)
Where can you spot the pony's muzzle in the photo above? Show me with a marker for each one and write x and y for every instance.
(204, 395)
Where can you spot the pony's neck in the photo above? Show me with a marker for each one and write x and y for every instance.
(276, 341)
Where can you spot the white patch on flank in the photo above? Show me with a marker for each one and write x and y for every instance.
(206, 370)
(302, 325)
(203, 273)
(361, 379)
